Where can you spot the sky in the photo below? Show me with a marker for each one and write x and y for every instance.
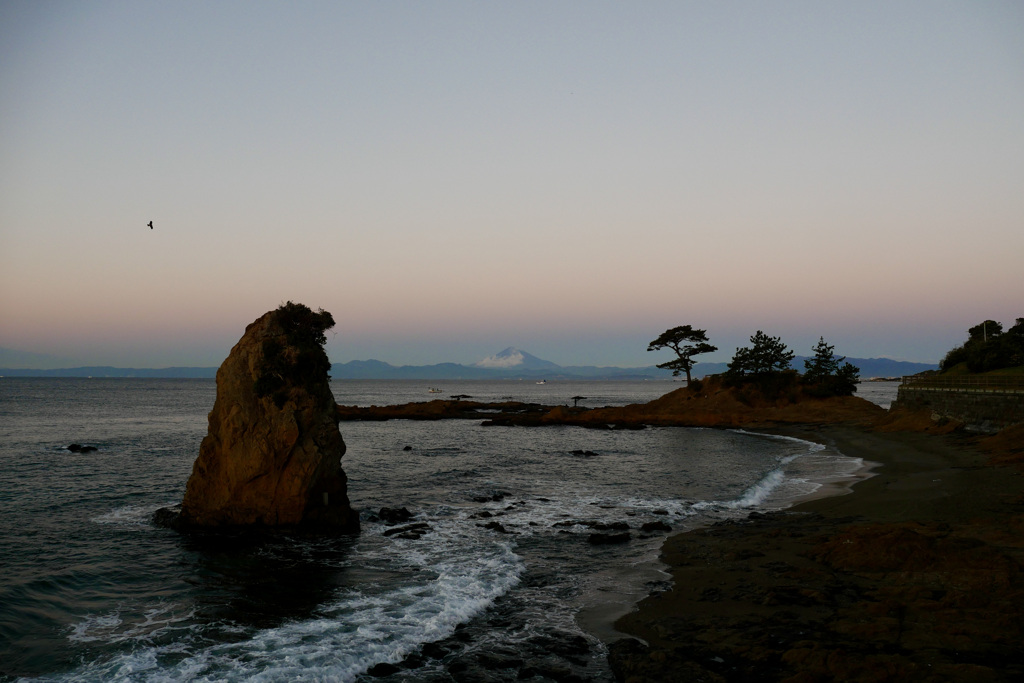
(452, 178)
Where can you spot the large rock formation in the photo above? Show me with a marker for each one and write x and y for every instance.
(272, 455)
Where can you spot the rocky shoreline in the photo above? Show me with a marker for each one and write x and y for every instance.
(916, 575)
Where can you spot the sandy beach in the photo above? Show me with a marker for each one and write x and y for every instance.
(913, 575)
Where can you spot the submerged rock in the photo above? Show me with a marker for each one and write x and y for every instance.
(418, 528)
(609, 539)
(394, 515)
(272, 454)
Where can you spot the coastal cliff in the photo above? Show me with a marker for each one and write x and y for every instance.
(272, 454)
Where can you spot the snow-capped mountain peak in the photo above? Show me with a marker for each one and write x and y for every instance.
(508, 358)
(514, 358)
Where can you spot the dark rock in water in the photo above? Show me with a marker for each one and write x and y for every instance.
(418, 528)
(79, 448)
(567, 523)
(550, 655)
(551, 669)
(168, 516)
(499, 660)
(609, 539)
(465, 671)
(435, 650)
(655, 526)
(495, 526)
(593, 524)
(383, 669)
(561, 643)
(272, 454)
(394, 515)
(413, 660)
(492, 498)
(407, 448)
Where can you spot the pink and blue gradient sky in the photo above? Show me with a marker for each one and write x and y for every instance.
(451, 178)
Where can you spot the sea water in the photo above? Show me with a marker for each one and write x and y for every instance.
(91, 590)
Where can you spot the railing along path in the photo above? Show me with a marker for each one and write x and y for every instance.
(987, 384)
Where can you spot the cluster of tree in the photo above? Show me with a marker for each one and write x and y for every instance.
(988, 347)
(765, 362)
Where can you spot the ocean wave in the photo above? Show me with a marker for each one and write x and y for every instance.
(346, 637)
(797, 475)
(130, 516)
(109, 628)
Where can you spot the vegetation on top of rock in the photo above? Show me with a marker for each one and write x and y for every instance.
(988, 348)
(765, 363)
(765, 355)
(303, 327)
(824, 376)
(300, 360)
(687, 343)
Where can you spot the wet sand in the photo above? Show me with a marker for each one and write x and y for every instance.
(618, 593)
(916, 575)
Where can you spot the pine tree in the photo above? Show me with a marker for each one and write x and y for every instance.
(766, 355)
(687, 343)
(827, 374)
(824, 363)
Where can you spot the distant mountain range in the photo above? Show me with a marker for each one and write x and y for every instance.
(514, 364)
(109, 371)
(508, 364)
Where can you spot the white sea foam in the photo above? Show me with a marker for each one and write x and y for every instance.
(759, 492)
(812, 446)
(95, 627)
(110, 628)
(130, 516)
(461, 575)
(798, 475)
(459, 571)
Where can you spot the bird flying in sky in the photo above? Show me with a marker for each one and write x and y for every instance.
(151, 225)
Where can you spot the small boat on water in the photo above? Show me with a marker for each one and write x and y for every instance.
(433, 390)
(543, 381)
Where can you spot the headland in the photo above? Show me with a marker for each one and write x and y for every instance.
(709, 403)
